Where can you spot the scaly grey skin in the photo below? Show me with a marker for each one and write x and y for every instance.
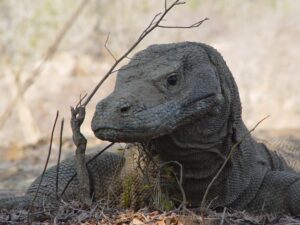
(182, 101)
(114, 178)
(102, 170)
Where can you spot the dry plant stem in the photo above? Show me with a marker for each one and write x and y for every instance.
(59, 155)
(153, 24)
(183, 203)
(179, 182)
(202, 219)
(78, 115)
(232, 150)
(46, 164)
(223, 216)
(109, 51)
(197, 24)
(80, 100)
(37, 70)
(99, 153)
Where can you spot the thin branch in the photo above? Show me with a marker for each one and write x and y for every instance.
(46, 164)
(178, 164)
(149, 29)
(180, 3)
(37, 70)
(234, 147)
(150, 25)
(179, 182)
(59, 155)
(197, 24)
(89, 161)
(81, 98)
(183, 203)
(99, 153)
(223, 216)
(105, 45)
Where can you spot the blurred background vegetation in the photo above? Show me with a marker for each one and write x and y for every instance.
(259, 39)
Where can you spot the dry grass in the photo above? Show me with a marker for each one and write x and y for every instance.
(73, 213)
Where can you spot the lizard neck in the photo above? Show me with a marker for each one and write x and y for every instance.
(201, 158)
(200, 147)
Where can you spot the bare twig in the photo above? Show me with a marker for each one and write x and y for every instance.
(153, 24)
(46, 164)
(150, 25)
(99, 153)
(37, 70)
(179, 181)
(232, 150)
(223, 216)
(106, 47)
(197, 24)
(81, 98)
(178, 164)
(59, 155)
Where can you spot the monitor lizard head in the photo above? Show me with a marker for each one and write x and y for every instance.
(161, 89)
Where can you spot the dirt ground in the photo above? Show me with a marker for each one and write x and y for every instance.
(96, 215)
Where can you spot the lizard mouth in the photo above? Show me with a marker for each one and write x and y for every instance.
(155, 126)
(118, 135)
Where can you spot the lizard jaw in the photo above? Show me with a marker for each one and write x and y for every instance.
(160, 126)
(117, 135)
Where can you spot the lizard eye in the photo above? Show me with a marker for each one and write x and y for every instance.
(172, 80)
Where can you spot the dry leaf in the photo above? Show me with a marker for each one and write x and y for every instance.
(161, 222)
(136, 221)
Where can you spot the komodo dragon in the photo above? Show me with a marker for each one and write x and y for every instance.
(181, 102)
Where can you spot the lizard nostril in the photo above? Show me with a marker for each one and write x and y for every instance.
(124, 109)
